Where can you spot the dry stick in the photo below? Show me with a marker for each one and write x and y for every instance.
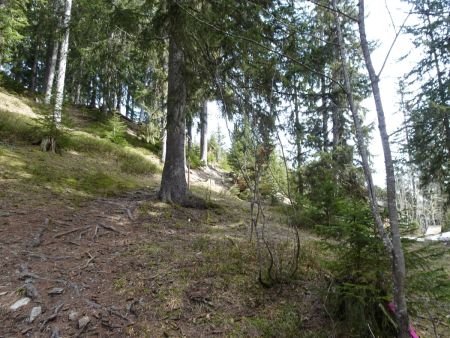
(130, 215)
(94, 237)
(88, 262)
(110, 227)
(82, 233)
(397, 34)
(296, 255)
(70, 231)
(398, 260)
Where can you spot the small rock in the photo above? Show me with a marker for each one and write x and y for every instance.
(73, 315)
(35, 312)
(30, 290)
(20, 303)
(55, 333)
(83, 322)
(56, 291)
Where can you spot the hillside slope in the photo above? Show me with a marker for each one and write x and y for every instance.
(91, 251)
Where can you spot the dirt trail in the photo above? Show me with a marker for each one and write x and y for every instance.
(68, 256)
(130, 266)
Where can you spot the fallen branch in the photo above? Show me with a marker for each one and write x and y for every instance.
(130, 215)
(95, 236)
(110, 227)
(52, 316)
(70, 231)
(46, 257)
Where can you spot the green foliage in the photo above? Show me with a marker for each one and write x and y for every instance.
(427, 109)
(360, 270)
(148, 132)
(115, 130)
(428, 281)
(193, 157)
(286, 323)
(13, 129)
(12, 22)
(134, 163)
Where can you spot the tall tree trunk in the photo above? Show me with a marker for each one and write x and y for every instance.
(204, 134)
(324, 111)
(398, 260)
(173, 183)
(163, 144)
(119, 97)
(50, 71)
(52, 54)
(93, 93)
(298, 142)
(34, 68)
(61, 76)
(127, 104)
(189, 132)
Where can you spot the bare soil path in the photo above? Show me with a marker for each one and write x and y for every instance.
(131, 266)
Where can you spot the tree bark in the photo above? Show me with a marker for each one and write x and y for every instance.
(93, 93)
(298, 142)
(189, 132)
(173, 184)
(324, 111)
(203, 134)
(34, 68)
(61, 76)
(52, 55)
(398, 260)
(50, 71)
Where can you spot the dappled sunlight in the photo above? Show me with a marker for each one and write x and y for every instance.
(15, 105)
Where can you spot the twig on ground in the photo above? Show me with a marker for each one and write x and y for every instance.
(130, 215)
(70, 231)
(110, 227)
(95, 235)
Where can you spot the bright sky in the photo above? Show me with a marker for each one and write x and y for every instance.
(380, 29)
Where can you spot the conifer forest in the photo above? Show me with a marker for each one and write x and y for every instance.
(225, 168)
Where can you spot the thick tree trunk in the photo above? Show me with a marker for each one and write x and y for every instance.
(61, 76)
(204, 133)
(173, 184)
(398, 260)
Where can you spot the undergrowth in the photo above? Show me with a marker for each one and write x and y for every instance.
(86, 164)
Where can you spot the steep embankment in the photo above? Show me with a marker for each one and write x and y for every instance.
(89, 250)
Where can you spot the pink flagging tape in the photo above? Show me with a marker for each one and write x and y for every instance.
(412, 331)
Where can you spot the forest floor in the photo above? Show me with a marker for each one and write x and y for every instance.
(91, 252)
(132, 266)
